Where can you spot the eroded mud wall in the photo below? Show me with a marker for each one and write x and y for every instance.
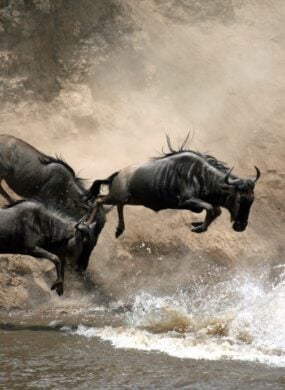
(36, 38)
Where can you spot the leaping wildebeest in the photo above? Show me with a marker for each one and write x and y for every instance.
(180, 179)
(29, 228)
(35, 175)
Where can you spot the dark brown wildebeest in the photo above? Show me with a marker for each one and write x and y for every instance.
(34, 175)
(180, 179)
(29, 228)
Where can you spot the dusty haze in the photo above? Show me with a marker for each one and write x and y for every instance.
(141, 70)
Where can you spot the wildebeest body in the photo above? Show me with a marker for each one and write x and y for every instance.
(28, 228)
(32, 174)
(165, 183)
(160, 184)
(27, 224)
(181, 179)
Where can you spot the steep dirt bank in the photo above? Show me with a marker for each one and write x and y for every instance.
(102, 82)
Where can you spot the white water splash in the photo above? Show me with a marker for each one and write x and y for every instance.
(240, 319)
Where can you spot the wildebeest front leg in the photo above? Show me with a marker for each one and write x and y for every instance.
(197, 226)
(211, 213)
(40, 252)
(121, 225)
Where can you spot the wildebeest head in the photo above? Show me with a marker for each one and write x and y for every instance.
(86, 236)
(84, 242)
(243, 197)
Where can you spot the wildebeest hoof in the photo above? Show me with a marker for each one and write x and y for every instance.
(119, 231)
(198, 229)
(195, 224)
(58, 287)
(59, 291)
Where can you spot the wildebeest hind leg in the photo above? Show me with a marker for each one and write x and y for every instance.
(121, 225)
(40, 252)
(5, 194)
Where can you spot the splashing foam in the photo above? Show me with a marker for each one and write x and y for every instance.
(240, 319)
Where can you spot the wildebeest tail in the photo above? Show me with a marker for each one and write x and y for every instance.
(94, 190)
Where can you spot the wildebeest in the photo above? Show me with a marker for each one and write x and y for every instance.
(29, 228)
(180, 179)
(34, 175)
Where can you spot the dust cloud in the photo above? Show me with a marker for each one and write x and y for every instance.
(214, 68)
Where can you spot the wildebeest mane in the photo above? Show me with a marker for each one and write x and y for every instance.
(184, 148)
(219, 165)
(59, 160)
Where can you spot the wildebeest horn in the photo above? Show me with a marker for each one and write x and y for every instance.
(230, 181)
(81, 227)
(81, 220)
(258, 174)
(85, 229)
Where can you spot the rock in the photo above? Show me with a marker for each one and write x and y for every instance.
(24, 280)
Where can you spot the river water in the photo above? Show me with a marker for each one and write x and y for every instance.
(226, 335)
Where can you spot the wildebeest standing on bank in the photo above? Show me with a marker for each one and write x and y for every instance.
(29, 228)
(181, 179)
(32, 174)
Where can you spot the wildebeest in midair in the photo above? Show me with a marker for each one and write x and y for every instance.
(34, 175)
(180, 179)
(29, 228)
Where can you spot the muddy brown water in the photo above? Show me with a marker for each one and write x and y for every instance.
(234, 339)
(43, 359)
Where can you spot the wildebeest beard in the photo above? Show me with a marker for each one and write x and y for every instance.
(83, 258)
(241, 209)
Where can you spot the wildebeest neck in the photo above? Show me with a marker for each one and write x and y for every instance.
(57, 227)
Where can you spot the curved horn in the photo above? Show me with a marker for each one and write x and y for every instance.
(81, 227)
(80, 221)
(227, 178)
(258, 174)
